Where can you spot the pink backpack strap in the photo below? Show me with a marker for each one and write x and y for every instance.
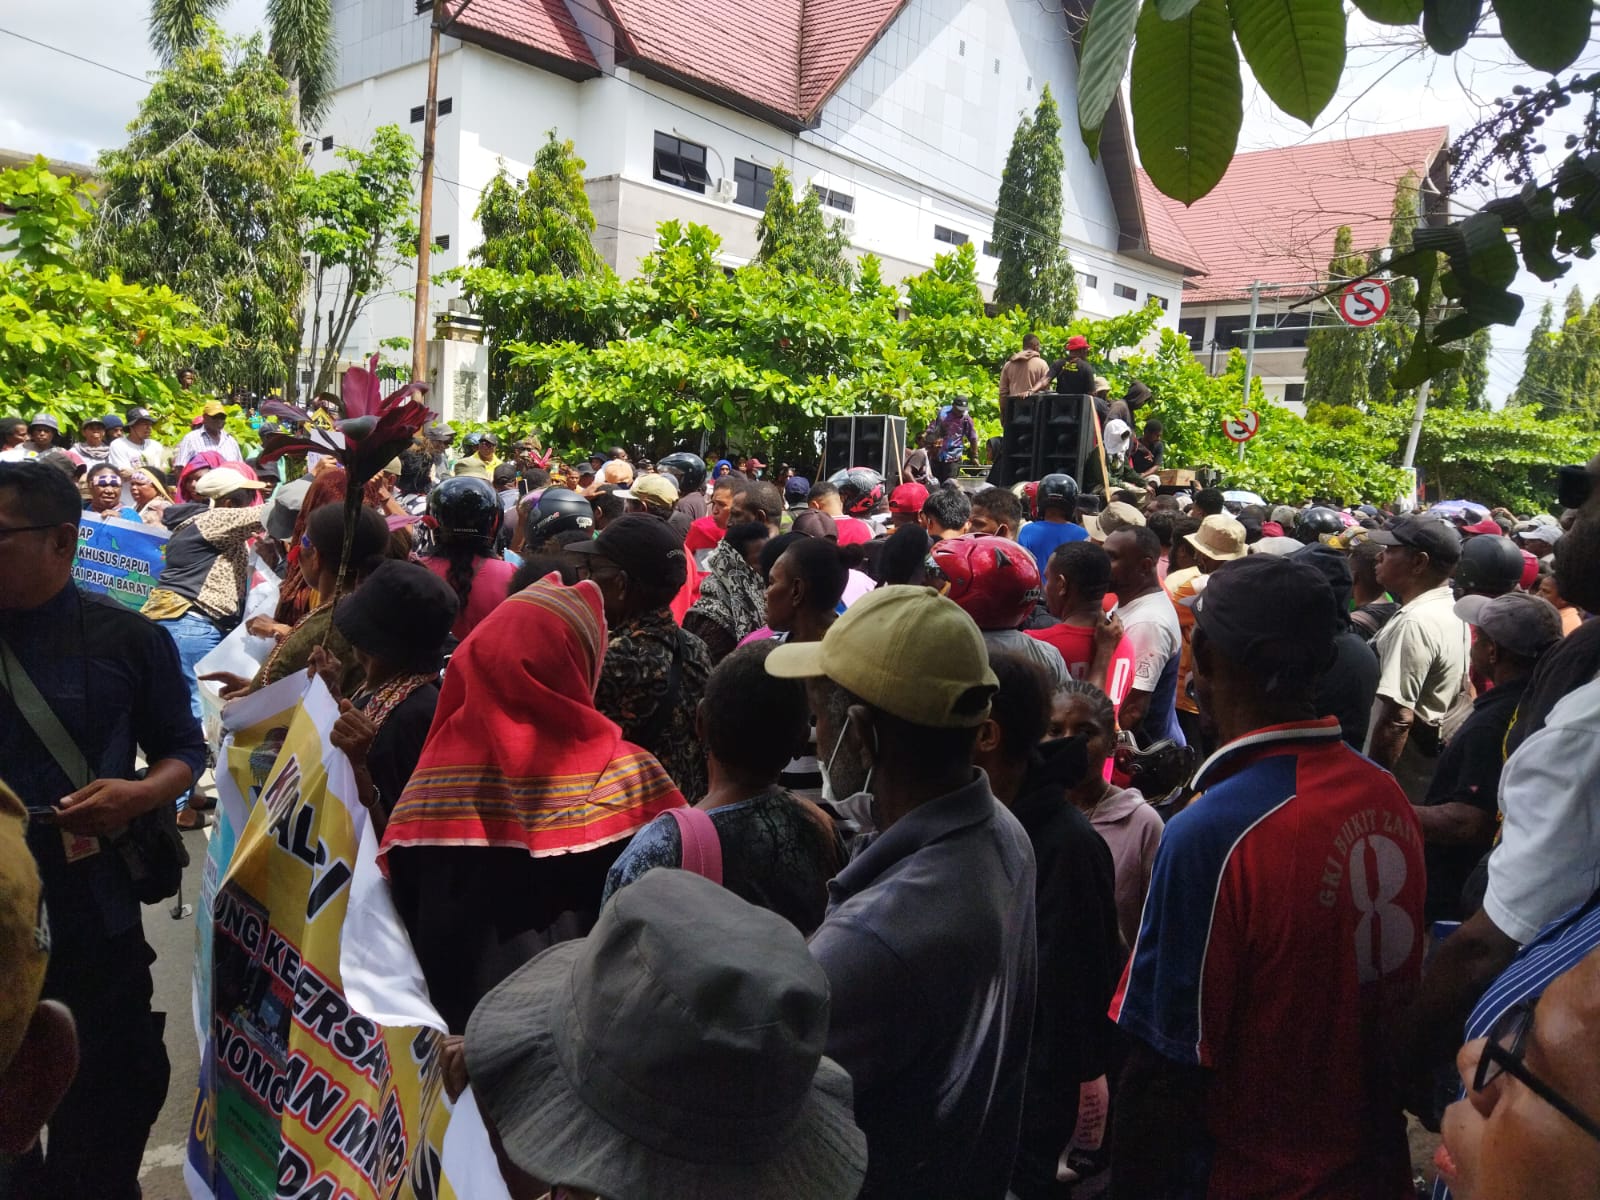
(702, 848)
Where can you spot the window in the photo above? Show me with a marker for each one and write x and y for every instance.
(305, 261)
(1193, 328)
(1161, 300)
(1123, 292)
(445, 106)
(1294, 393)
(997, 66)
(752, 183)
(327, 142)
(418, 113)
(1089, 281)
(943, 233)
(988, 250)
(1288, 332)
(961, 48)
(680, 163)
(442, 241)
(843, 201)
(424, 6)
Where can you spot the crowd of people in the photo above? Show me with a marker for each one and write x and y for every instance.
(909, 837)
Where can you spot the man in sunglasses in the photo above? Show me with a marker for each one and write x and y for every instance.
(1528, 1123)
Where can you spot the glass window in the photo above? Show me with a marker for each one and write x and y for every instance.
(943, 233)
(753, 183)
(843, 201)
(680, 163)
(1123, 292)
(1161, 300)
(1193, 328)
(1089, 281)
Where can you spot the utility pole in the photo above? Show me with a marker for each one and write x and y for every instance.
(419, 325)
(1416, 424)
(1250, 350)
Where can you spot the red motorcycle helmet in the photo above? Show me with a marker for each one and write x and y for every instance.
(861, 489)
(993, 579)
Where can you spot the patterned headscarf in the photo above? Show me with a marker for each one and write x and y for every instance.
(518, 754)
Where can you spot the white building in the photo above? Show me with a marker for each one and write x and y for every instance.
(902, 110)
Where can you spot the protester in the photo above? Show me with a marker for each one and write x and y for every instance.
(148, 495)
(1072, 375)
(954, 430)
(92, 445)
(937, 1057)
(521, 801)
(917, 466)
(105, 494)
(1373, 608)
(1459, 815)
(700, 1022)
(45, 431)
(996, 513)
(905, 505)
(997, 586)
(1056, 502)
(688, 471)
(946, 514)
(758, 503)
(1422, 651)
(113, 683)
(1571, 617)
(776, 850)
(1258, 1055)
(38, 1041)
(14, 442)
(826, 498)
(1079, 949)
(732, 602)
(466, 517)
(654, 673)
(1151, 623)
(1346, 690)
(707, 531)
(1220, 539)
(904, 556)
(1025, 373)
(1077, 578)
(212, 435)
(395, 624)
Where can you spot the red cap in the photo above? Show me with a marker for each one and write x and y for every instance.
(1530, 570)
(757, 464)
(908, 498)
(1077, 342)
(1485, 526)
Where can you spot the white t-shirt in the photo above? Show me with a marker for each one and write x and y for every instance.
(1151, 624)
(127, 455)
(1014, 641)
(1422, 655)
(1548, 859)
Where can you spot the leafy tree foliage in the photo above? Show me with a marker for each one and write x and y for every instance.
(72, 343)
(539, 226)
(1340, 357)
(300, 43)
(202, 200)
(1035, 272)
(1561, 367)
(360, 224)
(799, 237)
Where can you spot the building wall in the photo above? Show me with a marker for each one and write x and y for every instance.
(917, 135)
(1281, 369)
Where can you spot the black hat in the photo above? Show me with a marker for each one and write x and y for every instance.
(402, 612)
(642, 545)
(1270, 614)
(1435, 538)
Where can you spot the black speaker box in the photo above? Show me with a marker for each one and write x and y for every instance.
(870, 441)
(1049, 433)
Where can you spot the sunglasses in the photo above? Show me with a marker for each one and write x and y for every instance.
(1503, 1053)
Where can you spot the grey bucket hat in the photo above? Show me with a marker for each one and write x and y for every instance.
(675, 1051)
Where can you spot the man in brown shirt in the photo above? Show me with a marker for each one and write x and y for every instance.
(1025, 372)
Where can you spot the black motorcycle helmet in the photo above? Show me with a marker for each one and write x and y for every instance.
(1489, 566)
(558, 511)
(861, 489)
(1315, 522)
(690, 470)
(1057, 489)
(465, 507)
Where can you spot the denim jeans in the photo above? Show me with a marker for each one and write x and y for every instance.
(195, 637)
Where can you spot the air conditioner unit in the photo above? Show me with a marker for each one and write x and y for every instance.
(848, 224)
(726, 190)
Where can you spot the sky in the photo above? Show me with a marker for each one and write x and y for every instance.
(69, 108)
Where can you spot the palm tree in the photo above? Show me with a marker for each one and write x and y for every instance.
(299, 35)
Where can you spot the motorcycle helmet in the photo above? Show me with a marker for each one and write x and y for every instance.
(1315, 522)
(1058, 489)
(690, 470)
(466, 507)
(860, 490)
(995, 581)
(1489, 566)
(558, 511)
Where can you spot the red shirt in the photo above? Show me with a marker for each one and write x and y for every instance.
(1076, 643)
(703, 535)
(490, 579)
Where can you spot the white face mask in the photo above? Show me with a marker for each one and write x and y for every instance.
(856, 807)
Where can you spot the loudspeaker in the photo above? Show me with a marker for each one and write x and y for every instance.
(871, 441)
(1049, 433)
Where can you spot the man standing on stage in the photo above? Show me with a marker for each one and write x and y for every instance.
(1024, 374)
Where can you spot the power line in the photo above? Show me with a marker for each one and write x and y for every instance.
(22, 37)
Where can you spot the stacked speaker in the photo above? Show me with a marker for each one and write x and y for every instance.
(869, 441)
(1048, 433)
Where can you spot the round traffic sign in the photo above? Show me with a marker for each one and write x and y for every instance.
(1242, 429)
(1364, 302)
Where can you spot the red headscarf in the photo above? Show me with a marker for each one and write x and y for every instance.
(518, 754)
(206, 460)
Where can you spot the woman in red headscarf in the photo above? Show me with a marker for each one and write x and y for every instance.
(523, 798)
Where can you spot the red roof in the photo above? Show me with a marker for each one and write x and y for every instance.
(783, 56)
(544, 27)
(1275, 214)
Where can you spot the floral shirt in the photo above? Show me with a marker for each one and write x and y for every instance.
(635, 681)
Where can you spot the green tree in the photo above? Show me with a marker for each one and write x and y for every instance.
(1035, 272)
(1465, 386)
(73, 343)
(540, 225)
(300, 42)
(1392, 336)
(202, 200)
(799, 237)
(1540, 380)
(360, 224)
(1338, 356)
